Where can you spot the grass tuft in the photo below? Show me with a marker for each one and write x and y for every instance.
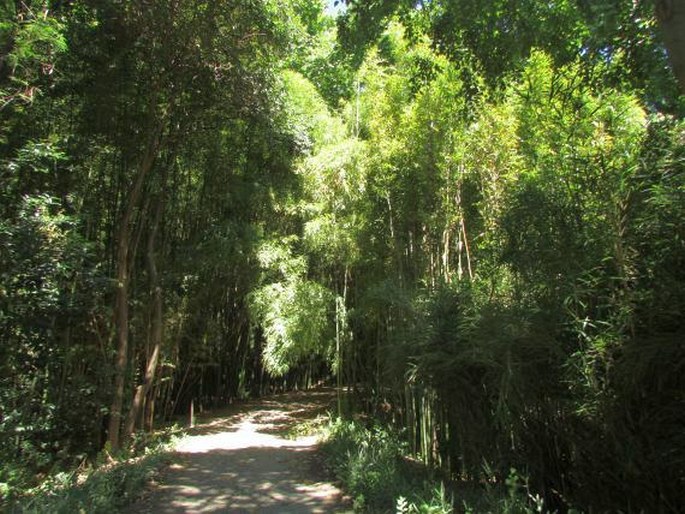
(374, 468)
(107, 486)
(377, 471)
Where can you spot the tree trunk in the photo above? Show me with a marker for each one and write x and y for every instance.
(123, 276)
(463, 238)
(156, 328)
(671, 16)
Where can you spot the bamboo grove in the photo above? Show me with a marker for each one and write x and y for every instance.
(469, 216)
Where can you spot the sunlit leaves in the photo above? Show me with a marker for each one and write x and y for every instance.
(44, 269)
(293, 312)
(31, 38)
(579, 148)
(313, 126)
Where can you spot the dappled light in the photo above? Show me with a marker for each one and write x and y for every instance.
(243, 462)
(462, 220)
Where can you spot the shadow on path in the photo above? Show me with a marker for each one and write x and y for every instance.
(241, 463)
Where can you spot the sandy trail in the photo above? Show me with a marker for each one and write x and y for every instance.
(241, 462)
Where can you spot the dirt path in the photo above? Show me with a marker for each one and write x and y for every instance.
(242, 462)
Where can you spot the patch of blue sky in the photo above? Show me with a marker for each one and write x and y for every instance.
(334, 7)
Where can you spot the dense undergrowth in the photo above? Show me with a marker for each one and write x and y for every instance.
(106, 485)
(375, 467)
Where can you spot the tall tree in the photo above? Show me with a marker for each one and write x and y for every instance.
(671, 16)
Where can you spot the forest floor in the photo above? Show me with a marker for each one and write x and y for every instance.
(246, 459)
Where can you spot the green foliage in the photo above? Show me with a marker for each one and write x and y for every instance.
(318, 56)
(334, 183)
(508, 278)
(620, 37)
(514, 497)
(313, 125)
(293, 313)
(45, 272)
(470, 212)
(35, 40)
(375, 469)
(105, 488)
(93, 93)
(31, 38)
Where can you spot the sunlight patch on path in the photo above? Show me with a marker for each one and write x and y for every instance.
(242, 464)
(247, 435)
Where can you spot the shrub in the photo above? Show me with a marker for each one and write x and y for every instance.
(103, 489)
(374, 467)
